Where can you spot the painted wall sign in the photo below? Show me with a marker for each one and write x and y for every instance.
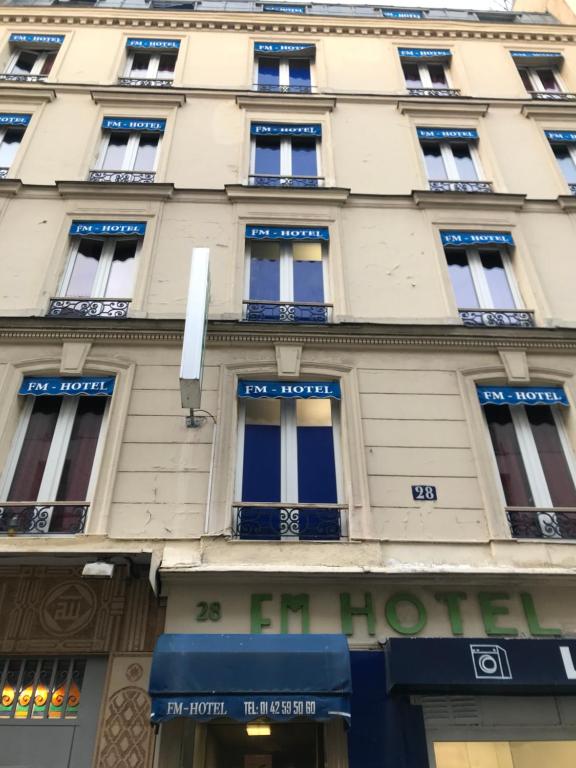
(152, 44)
(564, 136)
(402, 14)
(133, 124)
(536, 54)
(10, 119)
(302, 390)
(424, 53)
(283, 47)
(286, 233)
(522, 396)
(284, 9)
(109, 228)
(448, 665)
(56, 385)
(476, 238)
(447, 133)
(42, 39)
(283, 129)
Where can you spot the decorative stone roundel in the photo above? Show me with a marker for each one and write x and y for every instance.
(67, 609)
(126, 736)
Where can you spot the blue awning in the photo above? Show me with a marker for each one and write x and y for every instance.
(424, 53)
(522, 396)
(284, 9)
(285, 49)
(287, 390)
(285, 129)
(566, 137)
(56, 386)
(37, 39)
(457, 238)
(528, 56)
(152, 44)
(468, 134)
(108, 228)
(402, 14)
(286, 233)
(248, 677)
(155, 125)
(11, 119)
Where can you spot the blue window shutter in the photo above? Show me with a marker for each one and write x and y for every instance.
(299, 71)
(308, 281)
(317, 483)
(267, 156)
(304, 157)
(268, 71)
(261, 481)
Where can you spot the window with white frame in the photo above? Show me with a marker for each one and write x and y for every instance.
(130, 146)
(286, 274)
(285, 155)
(288, 468)
(12, 129)
(539, 72)
(563, 145)
(451, 155)
(32, 56)
(154, 65)
(101, 267)
(53, 454)
(426, 70)
(283, 67)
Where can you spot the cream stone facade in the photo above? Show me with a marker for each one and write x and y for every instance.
(163, 500)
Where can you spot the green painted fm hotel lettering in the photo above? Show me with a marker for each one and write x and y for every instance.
(404, 612)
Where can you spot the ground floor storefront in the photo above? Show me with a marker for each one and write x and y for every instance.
(320, 673)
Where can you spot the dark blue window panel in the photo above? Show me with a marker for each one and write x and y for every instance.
(308, 281)
(264, 286)
(267, 157)
(260, 481)
(299, 71)
(304, 157)
(317, 483)
(268, 71)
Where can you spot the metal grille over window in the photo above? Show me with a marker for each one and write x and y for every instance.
(41, 689)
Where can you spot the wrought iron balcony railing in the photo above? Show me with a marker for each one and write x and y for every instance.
(272, 180)
(497, 318)
(145, 82)
(460, 186)
(123, 177)
(572, 188)
(75, 307)
(286, 311)
(534, 523)
(22, 78)
(4, 172)
(552, 95)
(54, 517)
(263, 521)
(443, 92)
(283, 88)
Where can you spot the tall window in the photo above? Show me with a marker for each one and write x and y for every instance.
(286, 277)
(426, 71)
(156, 67)
(451, 160)
(563, 145)
(539, 72)
(130, 149)
(279, 72)
(540, 80)
(101, 267)
(287, 473)
(53, 456)
(285, 155)
(12, 129)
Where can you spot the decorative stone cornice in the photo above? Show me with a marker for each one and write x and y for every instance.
(479, 200)
(84, 189)
(275, 102)
(437, 109)
(119, 97)
(330, 195)
(546, 110)
(29, 94)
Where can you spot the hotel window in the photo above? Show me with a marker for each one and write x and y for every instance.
(150, 62)
(286, 274)
(49, 471)
(563, 145)
(129, 152)
(451, 160)
(426, 71)
(283, 67)
(287, 476)
(533, 457)
(99, 277)
(285, 155)
(539, 72)
(480, 269)
(12, 129)
(32, 56)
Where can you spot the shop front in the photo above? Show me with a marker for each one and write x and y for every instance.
(439, 677)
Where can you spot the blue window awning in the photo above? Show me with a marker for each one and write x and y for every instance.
(37, 39)
(56, 386)
(248, 677)
(285, 129)
(285, 49)
(286, 233)
(284, 8)
(402, 14)
(457, 238)
(425, 53)
(14, 120)
(522, 396)
(108, 228)
(566, 137)
(287, 390)
(534, 58)
(152, 44)
(137, 124)
(445, 134)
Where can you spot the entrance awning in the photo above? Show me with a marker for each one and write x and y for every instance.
(248, 677)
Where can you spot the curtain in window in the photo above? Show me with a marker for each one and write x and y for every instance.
(508, 457)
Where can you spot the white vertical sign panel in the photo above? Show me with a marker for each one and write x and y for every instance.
(195, 329)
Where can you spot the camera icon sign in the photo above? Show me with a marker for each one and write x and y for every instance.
(490, 662)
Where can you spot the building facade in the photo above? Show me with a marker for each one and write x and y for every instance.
(385, 447)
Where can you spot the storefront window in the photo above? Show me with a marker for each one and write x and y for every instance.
(273, 745)
(505, 754)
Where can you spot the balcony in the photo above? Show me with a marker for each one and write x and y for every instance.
(531, 523)
(286, 311)
(435, 92)
(22, 78)
(55, 517)
(460, 186)
(497, 318)
(552, 95)
(144, 82)
(75, 307)
(283, 88)
(4, 172)
(269, 521)
(122, 177)
(272, 180)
